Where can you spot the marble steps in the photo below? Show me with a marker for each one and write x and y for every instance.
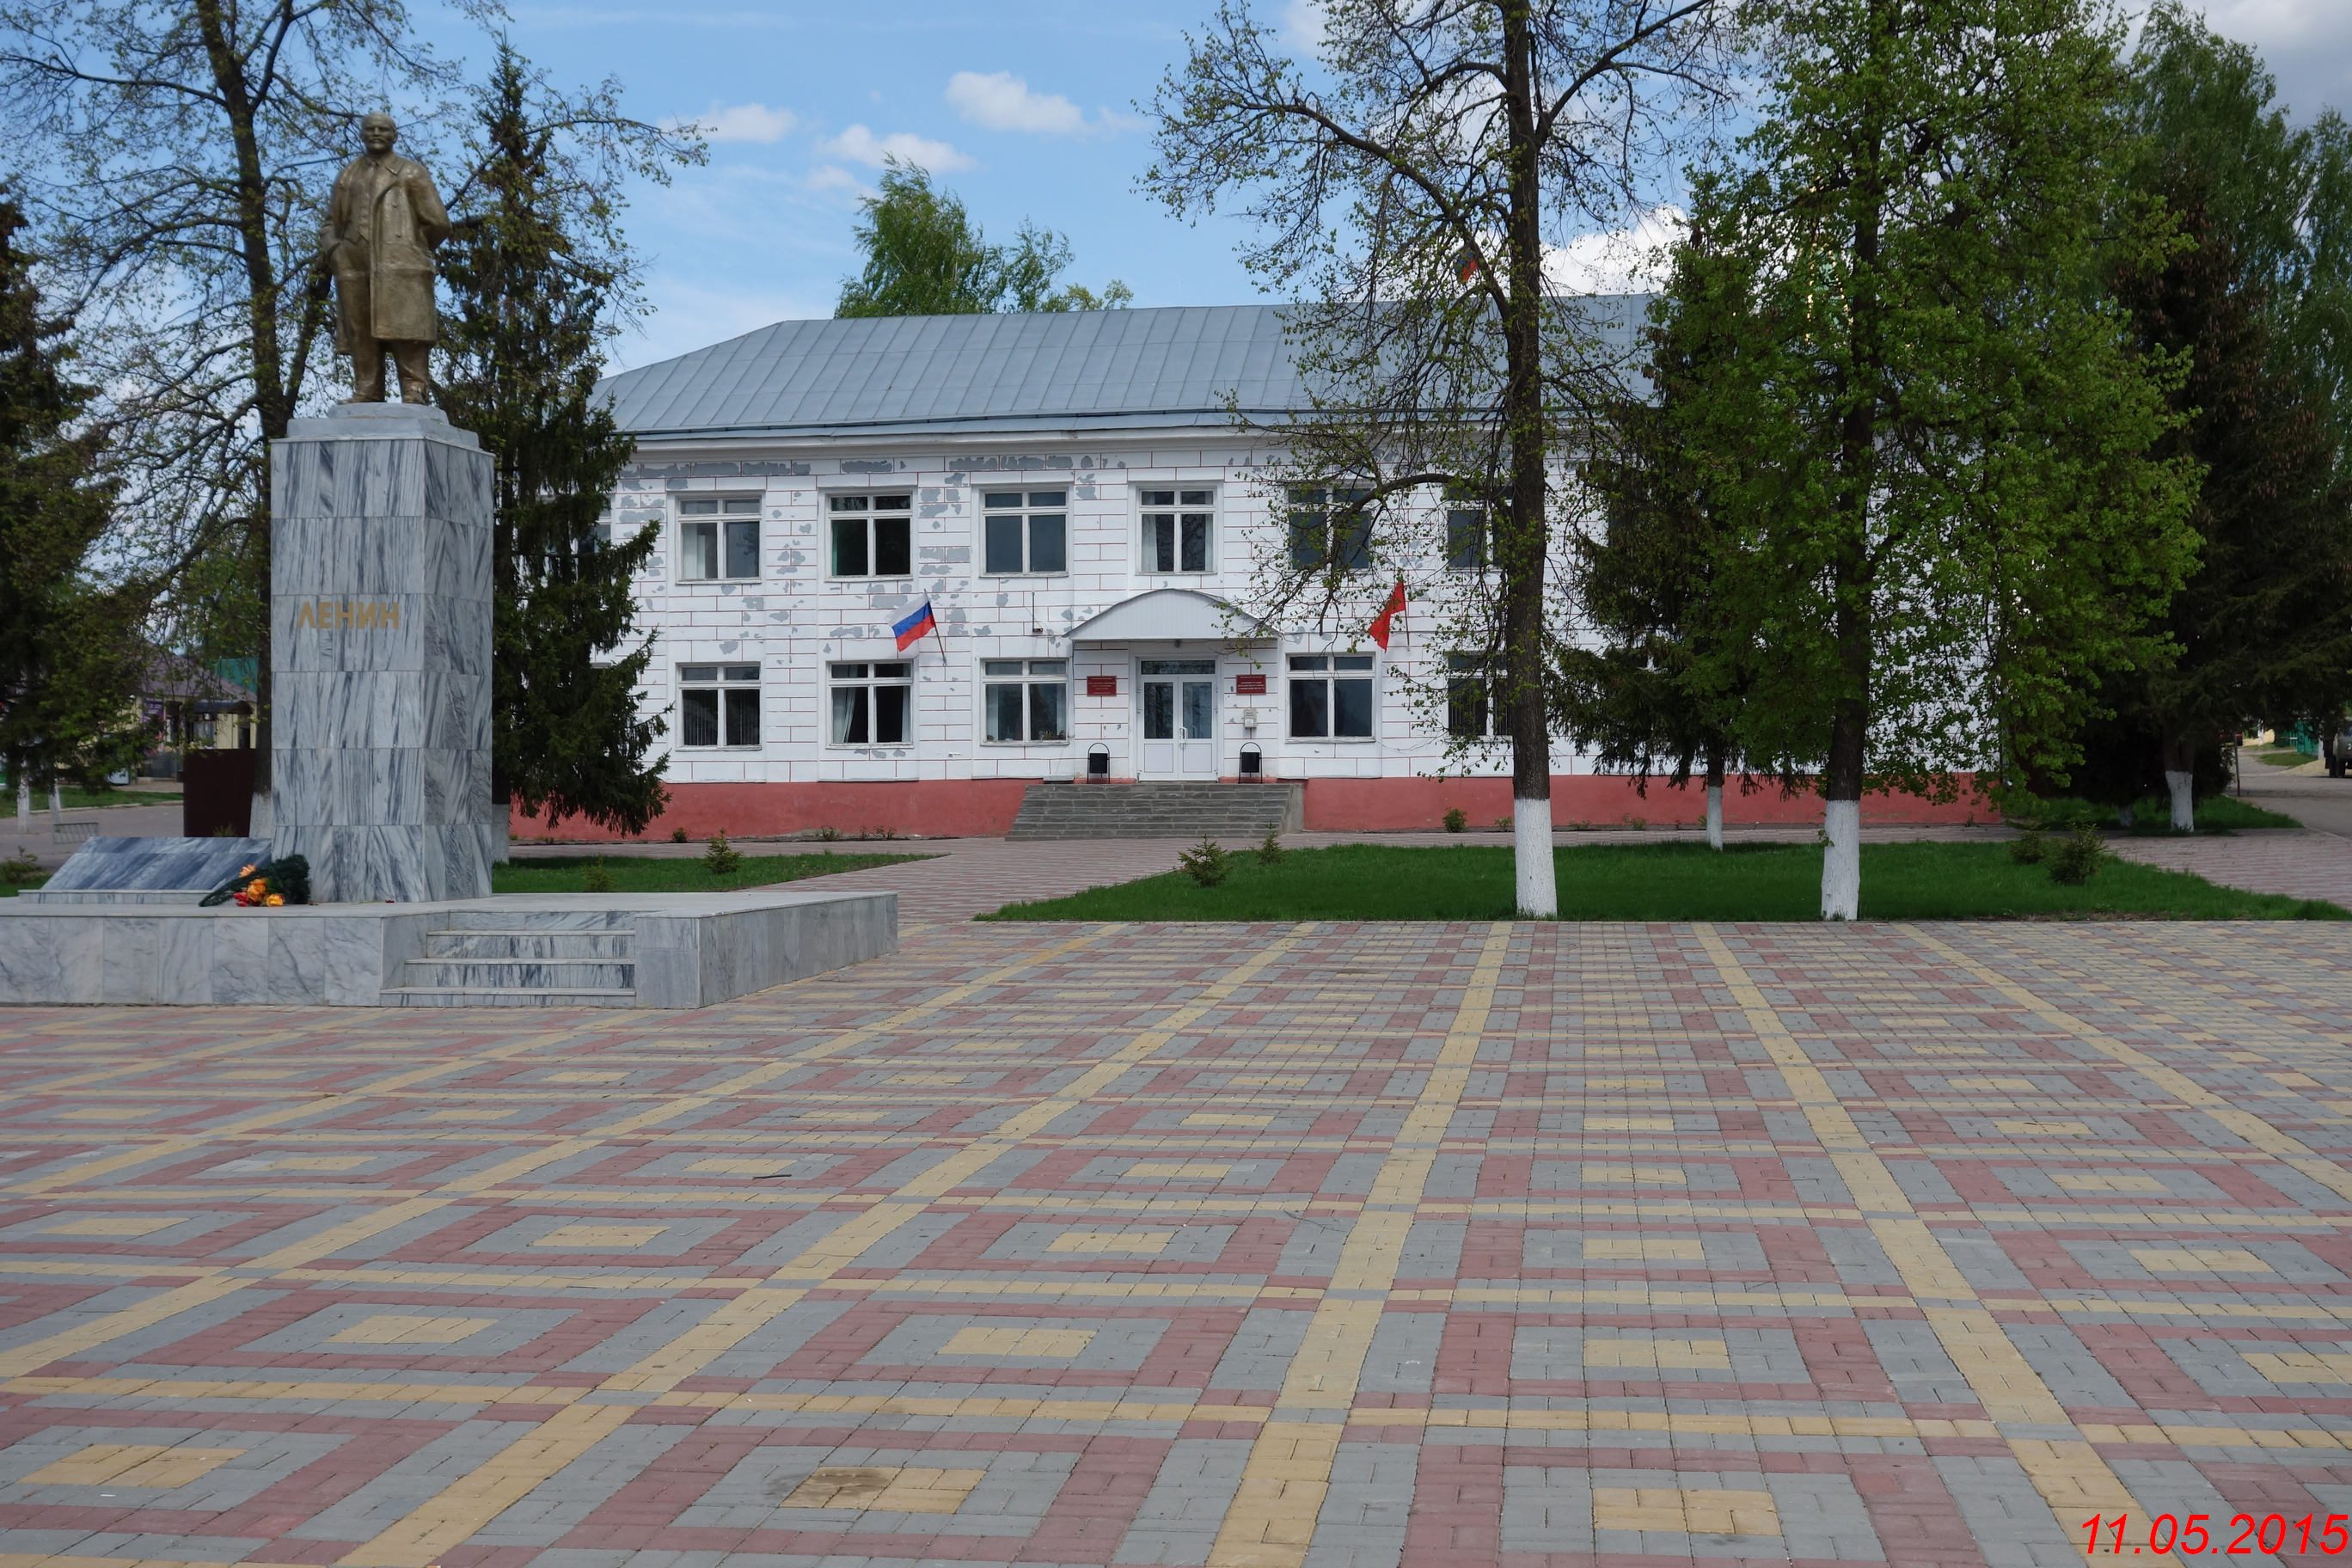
(1233, 813)
(504, 996)
(521, 974)
(517, 959)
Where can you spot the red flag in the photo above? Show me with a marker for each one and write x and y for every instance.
(1389, 612)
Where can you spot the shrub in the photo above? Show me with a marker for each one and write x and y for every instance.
(827, 835)
(1206, 862)
(2028, 847)
(677, 835)
(19, 869)
(2076, 858)
(1270, 852)
(1457, 820)
(598, 880)
(721, 858)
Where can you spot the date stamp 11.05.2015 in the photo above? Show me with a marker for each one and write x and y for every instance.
(2193, 1535)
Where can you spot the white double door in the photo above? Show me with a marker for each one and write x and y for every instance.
(1179, 718)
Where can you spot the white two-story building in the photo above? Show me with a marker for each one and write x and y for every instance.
(1076, 498)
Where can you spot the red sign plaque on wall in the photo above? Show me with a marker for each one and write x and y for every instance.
(1249, 685)
(1102, 685)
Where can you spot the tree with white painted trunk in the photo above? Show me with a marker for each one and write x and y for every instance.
(2256, 304)
(1409, 179)
(1932, 446)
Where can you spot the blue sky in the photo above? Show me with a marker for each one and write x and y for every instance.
(1026, 110)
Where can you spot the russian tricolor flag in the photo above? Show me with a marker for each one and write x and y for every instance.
(918, 625)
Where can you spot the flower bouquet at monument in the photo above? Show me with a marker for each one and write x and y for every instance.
(265, 884)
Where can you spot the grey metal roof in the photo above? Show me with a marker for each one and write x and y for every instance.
(1185, 365)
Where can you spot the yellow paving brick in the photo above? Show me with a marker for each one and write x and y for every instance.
(1689, 1511)
(131, 1465)
(127, 1225)
(1642, 1249)
(1039, 1343)
(2301, 1366)
(1147, 1242)
(401, 1328)
(602, 1237)
(1658, 1355)
(886, 1488)
(2198, 1260)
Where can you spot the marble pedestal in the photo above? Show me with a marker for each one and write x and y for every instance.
(380, 655)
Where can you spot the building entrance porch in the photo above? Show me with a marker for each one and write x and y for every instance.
(1179, 718)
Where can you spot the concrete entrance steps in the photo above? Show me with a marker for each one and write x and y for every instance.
(1227, 812)
(508, 958)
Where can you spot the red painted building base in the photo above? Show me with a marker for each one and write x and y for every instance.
(984, 808)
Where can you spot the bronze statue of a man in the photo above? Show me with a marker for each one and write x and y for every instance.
(383, 223)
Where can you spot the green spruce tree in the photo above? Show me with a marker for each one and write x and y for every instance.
(2263, 625)
(69, 662)
(1661, 693)
(530, 307)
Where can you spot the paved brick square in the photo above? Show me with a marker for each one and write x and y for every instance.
(1284, 1246)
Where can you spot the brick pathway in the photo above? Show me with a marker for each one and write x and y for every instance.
(1335, 1245)
(2301, 864)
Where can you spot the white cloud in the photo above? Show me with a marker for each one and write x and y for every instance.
(832, 178)
(860, 145)
(746, 123)
(1629, 260)
(1003, 102)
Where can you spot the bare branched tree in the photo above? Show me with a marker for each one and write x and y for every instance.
(1409, 183)
(176, 156)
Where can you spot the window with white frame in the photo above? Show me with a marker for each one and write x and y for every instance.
(1469, 697)
(1332, 696)
(873, 536)
(1025, 699)
(719, 536)
(718, 704)
(1329, 528)
(872, 704)
(1178, 529)
(1024, 533)
(1466, 534)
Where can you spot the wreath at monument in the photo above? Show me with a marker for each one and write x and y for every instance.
(265, 884)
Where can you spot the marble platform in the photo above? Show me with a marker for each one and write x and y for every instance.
(643, 950)
(380, 655)
(147, 870)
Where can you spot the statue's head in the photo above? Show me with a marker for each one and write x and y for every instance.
(377, 133)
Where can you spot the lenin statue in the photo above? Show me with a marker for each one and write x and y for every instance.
(383, 223)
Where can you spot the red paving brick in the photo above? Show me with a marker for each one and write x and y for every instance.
(1319, 1245)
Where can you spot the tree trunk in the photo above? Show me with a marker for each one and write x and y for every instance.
(274, 396)
(1714, 800)
(1857, 477)
(1526, 550)
(2180, 780)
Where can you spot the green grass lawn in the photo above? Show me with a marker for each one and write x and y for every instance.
(2216, 813)
(2289, 758)
(648, 874)
(1660, 882)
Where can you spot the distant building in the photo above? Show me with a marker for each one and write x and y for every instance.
(1073, 496)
